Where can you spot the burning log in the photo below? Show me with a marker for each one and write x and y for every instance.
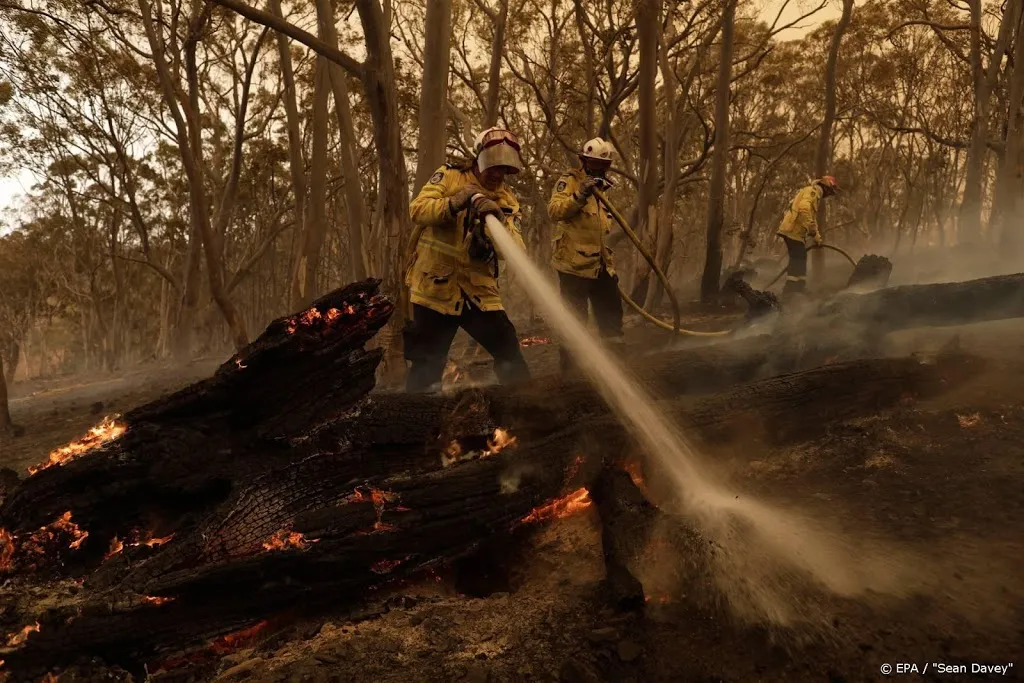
(280, 482)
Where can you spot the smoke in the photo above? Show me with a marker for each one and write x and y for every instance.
(760, 554)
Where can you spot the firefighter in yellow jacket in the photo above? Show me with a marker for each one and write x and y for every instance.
(453, 274)
(580, 253)
(800, 225)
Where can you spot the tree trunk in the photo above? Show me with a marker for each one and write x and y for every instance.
(589, 67)
(1008, 178)
(315, 229)
(663, 242)
(393, 185)
(494, 72)
(5, 410)
(647, 15)
(297, 164)
(710, 281)
(823, 158)
(430, 150)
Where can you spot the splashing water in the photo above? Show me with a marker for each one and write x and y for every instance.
(762, 552)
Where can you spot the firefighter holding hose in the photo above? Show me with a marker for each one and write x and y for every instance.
(453, 270)
(581, 255)
(799, 226)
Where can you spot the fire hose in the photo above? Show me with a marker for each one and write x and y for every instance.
(813, 246)
(674, 327)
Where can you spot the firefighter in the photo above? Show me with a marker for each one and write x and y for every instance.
(581, 254)
(800, 225)
(453, 274)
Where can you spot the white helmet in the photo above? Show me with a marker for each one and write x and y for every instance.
(599, 149)
(497, 147)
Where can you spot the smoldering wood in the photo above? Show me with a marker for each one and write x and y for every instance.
(287, 438)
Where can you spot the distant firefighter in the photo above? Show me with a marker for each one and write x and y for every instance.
(581, 255)
(799, 225)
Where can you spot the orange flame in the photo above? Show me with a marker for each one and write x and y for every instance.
(284, 539)
(153, 542)
(562, 507)
(636, 473)
(21, 636)
(240, 364)
(501, 440)
(107, 430)
(64, 523)
(116, 546)
(533, 341)
(157, 600)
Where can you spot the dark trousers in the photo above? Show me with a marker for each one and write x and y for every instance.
(603, 294)
(796, 271)
(429, 335)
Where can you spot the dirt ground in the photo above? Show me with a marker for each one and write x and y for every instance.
(939, 484)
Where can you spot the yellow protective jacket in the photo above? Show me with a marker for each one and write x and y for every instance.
(441, 270)
(581, 230)
(801, 217)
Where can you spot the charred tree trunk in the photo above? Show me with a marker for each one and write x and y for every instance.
(824, 155)
(710, 280)
(5, 411)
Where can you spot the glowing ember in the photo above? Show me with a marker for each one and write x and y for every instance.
(563, 507)
(64, 523)
(309, 317)
(157, 600)
(636, 473)
(501, 440)
(234, 641)
(332, 315)
(240, 364)
(533, 341)
(968, 421)
(284, 539)
(6, 550)
(451, 454)
(107, 430)
(386, 566)
(21, 636)
(116, 546)
(153, 542)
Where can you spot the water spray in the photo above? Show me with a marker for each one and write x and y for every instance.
(759, 546)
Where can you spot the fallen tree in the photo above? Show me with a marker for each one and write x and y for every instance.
(281, 481)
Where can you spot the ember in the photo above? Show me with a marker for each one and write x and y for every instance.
(15, 639)
(6, 550)
(386, 566)
(533, 341)
(64, 523)
(284, 539)
(968, 421)
(240, 364)
(636, 473)
(231, 642)
(107, 430)
(562, 507)
(157, 600)
(501, 440)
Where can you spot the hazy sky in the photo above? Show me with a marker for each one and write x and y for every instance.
(13, 188)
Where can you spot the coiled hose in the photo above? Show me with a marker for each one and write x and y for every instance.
(674, 327)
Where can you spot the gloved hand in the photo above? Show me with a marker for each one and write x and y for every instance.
(478, 244)
(462, 197)
(484, 205)
(817, 239)
(587, 187)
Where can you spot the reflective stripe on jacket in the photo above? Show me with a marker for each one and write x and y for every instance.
(442, 271)
(581, 230)
(801, 217)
